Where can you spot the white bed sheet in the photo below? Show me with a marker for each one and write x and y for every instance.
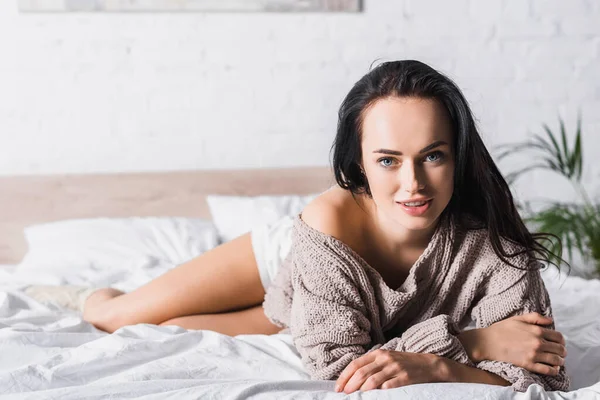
(51, 353)
(8, 267)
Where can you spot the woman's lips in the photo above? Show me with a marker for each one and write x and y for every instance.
(416, 211)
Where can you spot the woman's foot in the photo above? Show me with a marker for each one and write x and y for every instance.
(94, 310)
(99, 296)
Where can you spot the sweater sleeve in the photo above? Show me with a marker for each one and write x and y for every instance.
(329, 318)
(331, 328)
(511, 292)
(436, 335)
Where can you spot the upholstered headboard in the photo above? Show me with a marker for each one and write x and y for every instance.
(26, 200)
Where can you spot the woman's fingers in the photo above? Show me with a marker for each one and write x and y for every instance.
(554, 348)
(534, 318)
(364, 376)
(393, 383)
(375, 380)
(351, 368)
(553, 336)
(552, 360)
(544, 369)
(547, 363)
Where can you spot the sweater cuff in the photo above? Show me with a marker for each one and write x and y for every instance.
(520, 378)
(435, 336)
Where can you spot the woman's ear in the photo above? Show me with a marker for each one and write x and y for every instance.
(360, 167)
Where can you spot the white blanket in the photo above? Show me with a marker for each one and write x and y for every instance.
(51, 353)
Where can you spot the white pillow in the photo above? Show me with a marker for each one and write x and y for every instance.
(111, 242)
(236, 215)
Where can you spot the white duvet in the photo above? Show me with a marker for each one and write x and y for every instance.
(51, 353)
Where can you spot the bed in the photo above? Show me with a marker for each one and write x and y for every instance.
(48, 352)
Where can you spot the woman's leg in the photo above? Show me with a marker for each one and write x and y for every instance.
(222, 280)
(249, 321)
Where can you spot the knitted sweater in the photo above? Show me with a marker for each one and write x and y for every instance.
(337, 307)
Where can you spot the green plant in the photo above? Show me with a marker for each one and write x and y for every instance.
(576, 224)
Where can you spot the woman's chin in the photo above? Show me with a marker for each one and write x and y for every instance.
(415, 223)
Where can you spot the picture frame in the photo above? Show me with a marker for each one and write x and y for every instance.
(190, 5)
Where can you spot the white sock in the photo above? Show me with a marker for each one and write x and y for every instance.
(67, 296)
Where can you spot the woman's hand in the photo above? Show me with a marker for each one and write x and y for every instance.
(518, 340)
(386, 369)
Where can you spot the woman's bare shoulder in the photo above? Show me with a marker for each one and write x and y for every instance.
(335, 213)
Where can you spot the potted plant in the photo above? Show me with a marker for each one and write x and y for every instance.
(576, 224)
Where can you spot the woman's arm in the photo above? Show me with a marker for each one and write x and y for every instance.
(387, 369)
(521, 340)
(513, 292)
(330, 318)
(498, 315)
(452, 371)
(315, 295)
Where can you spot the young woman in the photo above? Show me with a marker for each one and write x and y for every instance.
(419, 237)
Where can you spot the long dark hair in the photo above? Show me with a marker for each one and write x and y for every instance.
(481, 197)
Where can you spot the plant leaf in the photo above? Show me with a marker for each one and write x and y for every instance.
(512, 148)
(513, 176)
(555, 144)
(565, 147)
(579, 164)
(576, 225)
(543, 143)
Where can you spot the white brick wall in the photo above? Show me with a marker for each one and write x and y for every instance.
(137, 92)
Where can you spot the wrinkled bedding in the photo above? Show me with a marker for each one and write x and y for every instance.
(48, 352)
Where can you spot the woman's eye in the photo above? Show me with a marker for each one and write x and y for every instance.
(435, 156)
(386, 162)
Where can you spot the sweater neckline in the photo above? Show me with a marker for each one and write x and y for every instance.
(410, 283)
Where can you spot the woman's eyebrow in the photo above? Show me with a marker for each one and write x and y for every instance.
(424, 150)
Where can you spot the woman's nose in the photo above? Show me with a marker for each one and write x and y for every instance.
(409, 179)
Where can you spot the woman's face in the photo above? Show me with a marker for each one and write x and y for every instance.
(407, 155)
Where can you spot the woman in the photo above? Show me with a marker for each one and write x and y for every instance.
(419, 236)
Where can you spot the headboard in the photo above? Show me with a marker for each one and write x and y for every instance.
(26, 200)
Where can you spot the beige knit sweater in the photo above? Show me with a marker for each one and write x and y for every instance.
(338, 308)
